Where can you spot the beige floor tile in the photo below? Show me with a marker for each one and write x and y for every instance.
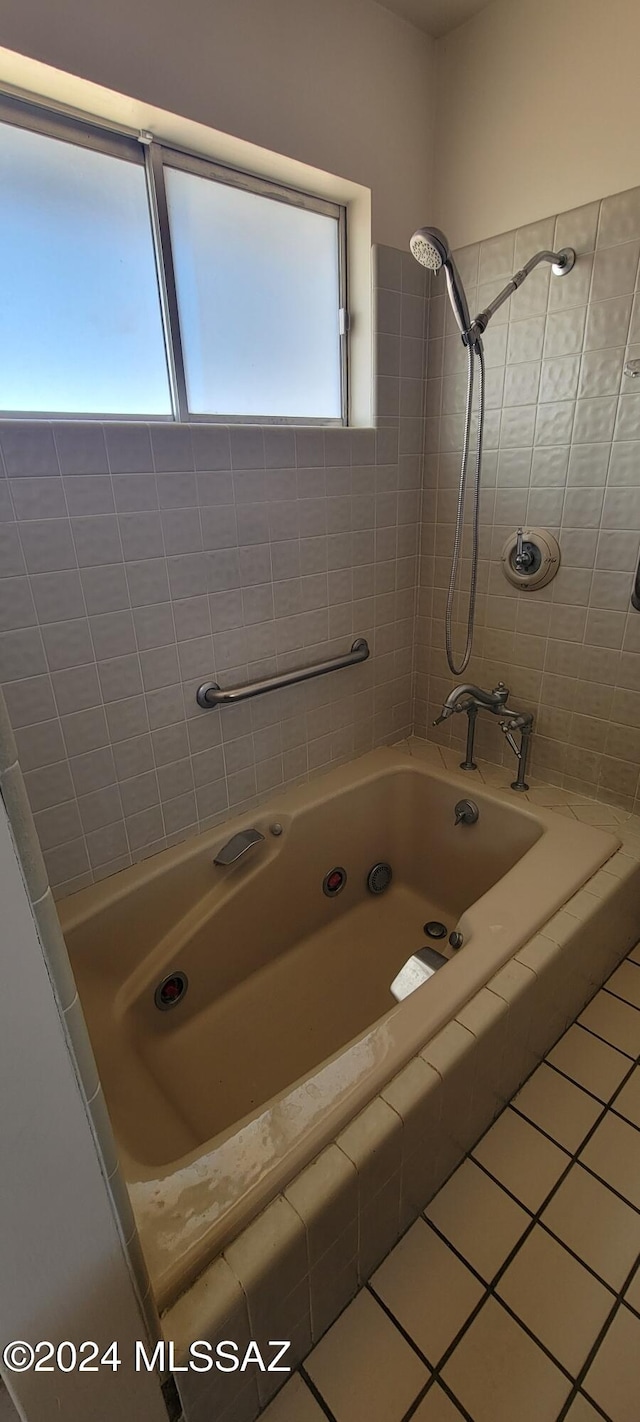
(593, 1064)
(294, 1404)
(428, 1290)
(479, 1218)
(582, 1411)
(558, 1106)
(364, 1368)
(500, 1375)
(436, 1407)
(634, 955)
(625, 982)
(616, 1021)
(632, 1295)
(613, 1380)
(628, 1102)
(598, 1226)
(562, 1304)
(614, 1154)
(522, 1159)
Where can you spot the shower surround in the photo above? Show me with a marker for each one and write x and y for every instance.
(138, 560)
(562, 451)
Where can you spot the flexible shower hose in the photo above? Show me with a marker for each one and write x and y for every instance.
(475, 350)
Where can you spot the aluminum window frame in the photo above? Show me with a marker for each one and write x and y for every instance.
(146, 150)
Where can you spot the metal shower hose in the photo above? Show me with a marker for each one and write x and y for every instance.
(473, 350)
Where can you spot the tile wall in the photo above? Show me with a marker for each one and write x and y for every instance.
(562, 451)
(138, 560)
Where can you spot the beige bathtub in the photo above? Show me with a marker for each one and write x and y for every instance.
(288, 1025)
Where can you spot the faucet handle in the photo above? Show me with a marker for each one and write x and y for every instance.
(508, 728)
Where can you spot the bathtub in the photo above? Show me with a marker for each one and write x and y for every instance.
(288, 1026)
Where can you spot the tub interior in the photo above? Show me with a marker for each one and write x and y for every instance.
(281, 977)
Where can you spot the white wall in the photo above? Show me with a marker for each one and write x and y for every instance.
(62, 1266)
(538, 112)
(340, 84)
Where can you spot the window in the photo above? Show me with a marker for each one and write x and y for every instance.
(80, 318)
(257, 284)
(143, 282)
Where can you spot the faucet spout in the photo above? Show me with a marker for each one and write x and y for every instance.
(467, 694)
(237, 846)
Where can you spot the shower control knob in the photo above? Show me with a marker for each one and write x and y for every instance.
(456, 939)
(525, 555)
(530, 558)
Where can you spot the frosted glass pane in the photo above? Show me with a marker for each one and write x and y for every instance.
(79, 307)
(258, 296)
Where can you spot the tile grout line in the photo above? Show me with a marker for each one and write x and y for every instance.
(573, 1158)
(617, 995)
(593, 1351)
(434, 1369)
(590, 1030)
(433, 1383)
(565, 1076)
(315, 1391)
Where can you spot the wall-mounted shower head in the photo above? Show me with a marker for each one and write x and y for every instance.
(430, 248)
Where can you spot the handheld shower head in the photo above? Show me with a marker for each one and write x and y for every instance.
(430, 248)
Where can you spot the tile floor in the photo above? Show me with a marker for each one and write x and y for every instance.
(516, 1295)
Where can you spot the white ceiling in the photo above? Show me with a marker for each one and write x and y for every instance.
(437, 17)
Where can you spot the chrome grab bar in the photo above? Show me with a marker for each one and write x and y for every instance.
(211, 694)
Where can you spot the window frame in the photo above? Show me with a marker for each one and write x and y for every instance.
(149, 152)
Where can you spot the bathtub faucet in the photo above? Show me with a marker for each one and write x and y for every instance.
(472, 699)
(467, 696)
(237, 846)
